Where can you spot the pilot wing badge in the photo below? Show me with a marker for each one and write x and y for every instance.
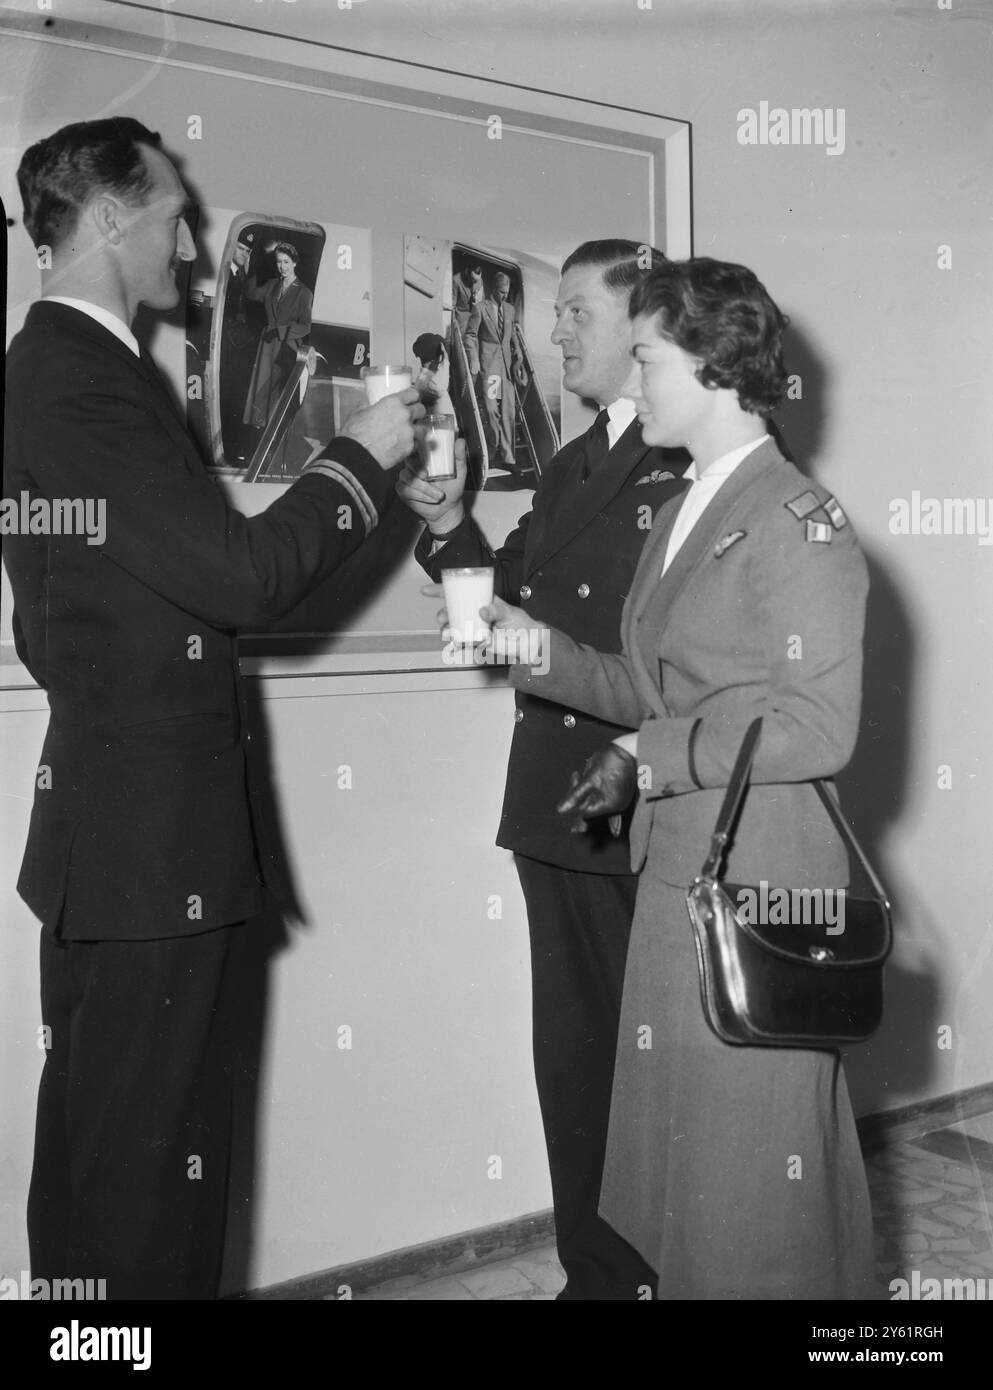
(657, 475)
(724, 545)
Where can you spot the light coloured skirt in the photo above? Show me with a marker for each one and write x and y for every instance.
(734, 1171)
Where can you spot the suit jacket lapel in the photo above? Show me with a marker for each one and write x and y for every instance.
(661, 593)
(580, 502)
(167, 410)
(489, 310)
(59, 318)
(646, 579)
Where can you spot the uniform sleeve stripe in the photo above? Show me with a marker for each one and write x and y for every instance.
(339, 474)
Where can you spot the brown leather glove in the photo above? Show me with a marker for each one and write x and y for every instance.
(606, 787)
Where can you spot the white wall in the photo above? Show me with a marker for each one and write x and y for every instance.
(386, 1146)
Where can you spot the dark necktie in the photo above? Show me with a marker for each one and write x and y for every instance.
(596, 446)
(500, 321)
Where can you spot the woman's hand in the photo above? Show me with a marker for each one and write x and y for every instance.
(438, 502)
(606, 787)
(513, 636)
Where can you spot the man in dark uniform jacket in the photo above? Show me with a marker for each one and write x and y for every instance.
(243, 322)
(141, 858)
(569, 564)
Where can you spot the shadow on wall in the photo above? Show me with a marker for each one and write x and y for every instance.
(802, 418)
(903, 1056)
(263, 938)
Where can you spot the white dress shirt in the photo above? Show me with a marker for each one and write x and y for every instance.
(103, 316)
(620, 413)
(703, 489)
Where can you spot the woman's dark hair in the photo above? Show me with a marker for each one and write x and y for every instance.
(428, 348)
(722, 314)
(58, 175)
(288, 249)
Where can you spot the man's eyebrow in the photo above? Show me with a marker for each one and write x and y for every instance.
(573, 299)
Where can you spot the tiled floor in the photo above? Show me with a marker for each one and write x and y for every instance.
(932, 1200)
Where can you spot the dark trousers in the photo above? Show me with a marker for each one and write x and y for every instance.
(134, 1114)
(580, 924)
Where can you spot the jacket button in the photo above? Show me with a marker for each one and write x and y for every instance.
(518, 715)
(525, 591)
(583, 591)
(569, 721)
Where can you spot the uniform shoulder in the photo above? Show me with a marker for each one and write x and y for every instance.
(40, 361)
(47, 364)
(801, 506)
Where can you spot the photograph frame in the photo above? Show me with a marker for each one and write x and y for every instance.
(380, 635)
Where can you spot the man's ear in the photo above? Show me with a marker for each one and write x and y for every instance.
(107, 215)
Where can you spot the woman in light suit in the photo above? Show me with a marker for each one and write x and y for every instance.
(288, 305)
(735, 1171)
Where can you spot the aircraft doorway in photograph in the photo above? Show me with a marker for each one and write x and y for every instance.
(505, 393)
(277, 335)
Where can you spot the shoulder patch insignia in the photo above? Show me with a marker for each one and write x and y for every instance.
(724, 545)
(657, 475)
(803, 505)
(818, 531)
(833, 508)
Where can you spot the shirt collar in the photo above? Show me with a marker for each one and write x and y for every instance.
(620, 413)
(102, 316)
(724, 466)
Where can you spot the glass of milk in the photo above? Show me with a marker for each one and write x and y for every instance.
(385, 381)
(436, 446)
(466, 592)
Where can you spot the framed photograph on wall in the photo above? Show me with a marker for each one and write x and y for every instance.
(431, 178)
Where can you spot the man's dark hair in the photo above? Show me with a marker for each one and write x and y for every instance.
(58, 175)
(623, 262)
(723, 315)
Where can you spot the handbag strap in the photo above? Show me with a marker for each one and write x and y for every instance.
(848, 835)
(731, 805)
(731, 808)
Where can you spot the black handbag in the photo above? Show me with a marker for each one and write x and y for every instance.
(787, 967)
